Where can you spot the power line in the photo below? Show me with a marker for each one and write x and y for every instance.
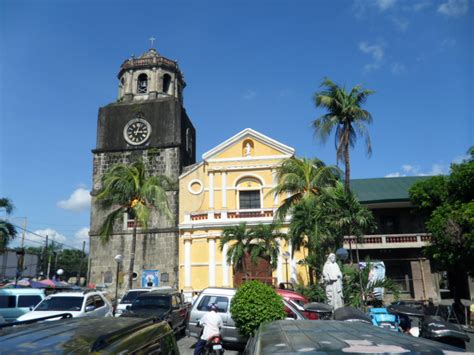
(41, 236)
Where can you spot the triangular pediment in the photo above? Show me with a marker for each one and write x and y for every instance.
(248, 144)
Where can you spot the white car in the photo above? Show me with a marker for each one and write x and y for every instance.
(130, 296)
(79, 304)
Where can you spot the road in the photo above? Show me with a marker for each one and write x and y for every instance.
(186, 346)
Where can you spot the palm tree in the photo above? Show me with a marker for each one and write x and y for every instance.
(7, 230)
(344, 115)
(346, 216)
(129, 189)
(301, 178)
(265, 241)
(239, 248)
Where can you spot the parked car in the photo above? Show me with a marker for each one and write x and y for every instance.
(130, 296)
(14, 302)
(165, 305)
(336, 337)
(298, 301)
(222, 297)
(90, 335)
(86, 303)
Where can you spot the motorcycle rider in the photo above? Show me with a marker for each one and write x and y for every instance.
(211, 323)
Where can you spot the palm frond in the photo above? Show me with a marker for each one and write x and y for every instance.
(107, 227)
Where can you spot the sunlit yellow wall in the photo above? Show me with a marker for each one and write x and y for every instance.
(255, 171)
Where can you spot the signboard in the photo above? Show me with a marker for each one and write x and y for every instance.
(150, 278)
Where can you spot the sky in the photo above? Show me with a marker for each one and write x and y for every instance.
(246, 63)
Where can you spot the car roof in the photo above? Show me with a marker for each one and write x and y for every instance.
(75, 335)
(219, 291)
(290, 294)
(21, 291)
(163, 292)
(74, 294)
(337, 337)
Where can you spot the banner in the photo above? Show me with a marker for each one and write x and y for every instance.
(150, 278)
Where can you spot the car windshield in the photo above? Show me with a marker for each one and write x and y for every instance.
(61, 304)
(151, 302)
(131, 296)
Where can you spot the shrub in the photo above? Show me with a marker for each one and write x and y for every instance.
(253, 304)
(314, 293)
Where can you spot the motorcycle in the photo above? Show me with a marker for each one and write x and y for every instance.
(214, 346)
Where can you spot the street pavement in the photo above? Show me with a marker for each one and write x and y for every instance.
(186, 346)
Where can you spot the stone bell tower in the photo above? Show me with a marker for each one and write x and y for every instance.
(148, 121)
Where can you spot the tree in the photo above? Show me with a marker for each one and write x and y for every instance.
(346, 216)
(301, 178)
(7, 230)
(346, 117)
(448, 205)
(260, 241)
(129, 189)
(253, 304)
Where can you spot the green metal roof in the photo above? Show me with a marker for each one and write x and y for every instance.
(388, 189)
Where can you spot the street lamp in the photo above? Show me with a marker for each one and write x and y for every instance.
(286, 256)
(59, 272)
(342, 254)
(118, 258)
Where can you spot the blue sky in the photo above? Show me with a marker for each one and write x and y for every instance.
(247, 64)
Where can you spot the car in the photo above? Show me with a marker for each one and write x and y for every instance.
(90, 335)
(166, 305)
(298, 301)
(88, 303)
(130, 296)
(14, 302)
(337, 337)
(222, 297)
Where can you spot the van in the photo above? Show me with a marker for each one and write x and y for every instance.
(14, 302)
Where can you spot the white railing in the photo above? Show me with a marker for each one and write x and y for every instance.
(381, 241)
(217, 215)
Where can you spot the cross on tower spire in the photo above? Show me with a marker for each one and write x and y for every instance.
(152, 40)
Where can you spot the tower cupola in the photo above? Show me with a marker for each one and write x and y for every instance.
(150, 76)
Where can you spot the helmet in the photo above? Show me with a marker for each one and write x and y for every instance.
(212, 307)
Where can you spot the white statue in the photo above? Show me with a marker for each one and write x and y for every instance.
(248, 149)
(333, 279)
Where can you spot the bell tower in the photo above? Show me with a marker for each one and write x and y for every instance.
(148, 121)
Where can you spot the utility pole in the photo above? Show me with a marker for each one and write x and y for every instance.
(23, 234)
(78, 278)
(49, 261)
(45, 256)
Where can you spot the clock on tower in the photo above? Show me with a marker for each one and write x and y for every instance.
(148, 122)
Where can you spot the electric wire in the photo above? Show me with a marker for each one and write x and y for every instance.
(41, 236)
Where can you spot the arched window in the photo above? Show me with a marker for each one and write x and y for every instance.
(250, 193)
(142, 84)
(166, 83)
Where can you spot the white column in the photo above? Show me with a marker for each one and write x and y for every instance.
(224, 189)
(292, 265)
(129, 82)
(225, 266)
(211, 191)
(280, 263)
(212, 261)
(187, 263)
(274, 183)
(153, 81)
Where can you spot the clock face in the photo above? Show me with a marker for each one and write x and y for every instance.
(137, 131)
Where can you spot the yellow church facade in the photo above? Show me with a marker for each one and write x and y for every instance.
(231, 185)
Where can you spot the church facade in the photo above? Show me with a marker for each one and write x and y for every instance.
(148, 122)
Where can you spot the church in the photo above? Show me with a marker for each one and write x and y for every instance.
(231, 185)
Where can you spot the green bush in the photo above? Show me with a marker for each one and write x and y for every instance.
(253, 304)
(314, 293)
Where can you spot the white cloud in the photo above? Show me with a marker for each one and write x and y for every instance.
(397, 68)
(249, 95)
(79, 200)
(421, 5)
(376, 52)
(39, 237)
(401, 23)
(385, 4)
(397, 174)
(461, 158)
(415, 170)
(454, 8)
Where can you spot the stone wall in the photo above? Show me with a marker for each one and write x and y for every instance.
(157, 247)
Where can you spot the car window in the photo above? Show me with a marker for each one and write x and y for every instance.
(28, 300)
(7, 301)
(130, 296)
(98, 301)
(221, 302)
(90, 301)
(151, 302)
(59, 303)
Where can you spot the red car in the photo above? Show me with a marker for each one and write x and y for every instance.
(298, 300)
